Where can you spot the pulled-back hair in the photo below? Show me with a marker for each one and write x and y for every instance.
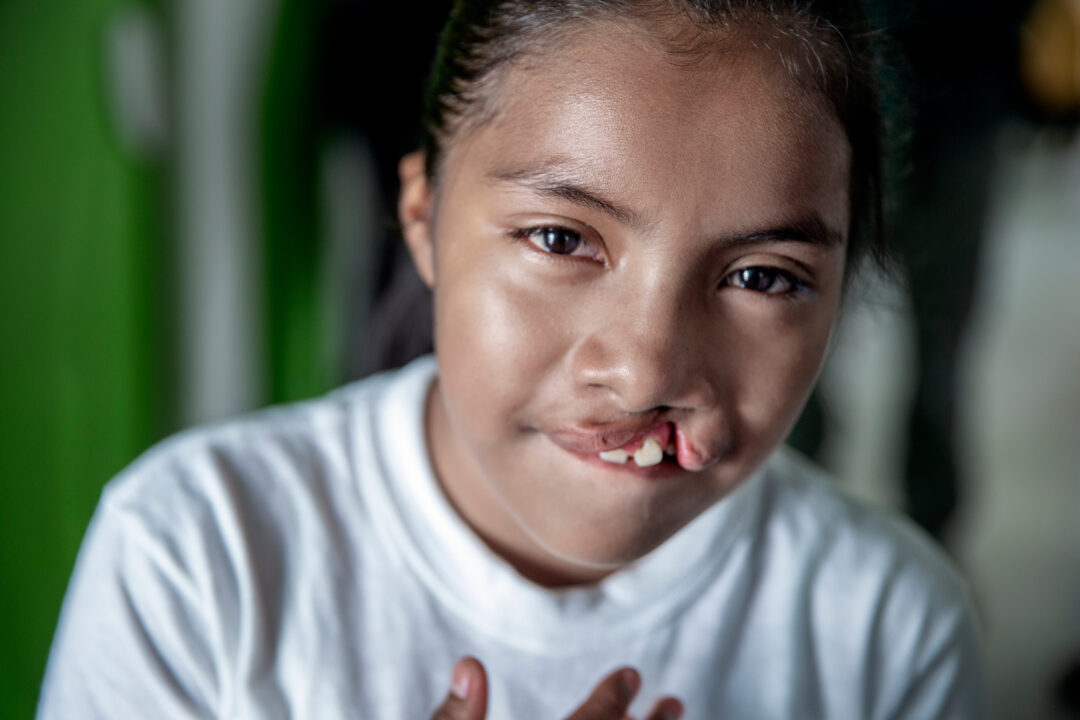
(824, 44)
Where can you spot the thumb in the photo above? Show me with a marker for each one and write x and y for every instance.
(467, 699)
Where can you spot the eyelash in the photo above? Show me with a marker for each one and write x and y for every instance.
(534, 236)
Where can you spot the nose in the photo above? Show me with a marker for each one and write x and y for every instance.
(648, 352)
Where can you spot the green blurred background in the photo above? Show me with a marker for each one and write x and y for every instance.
(79, 382)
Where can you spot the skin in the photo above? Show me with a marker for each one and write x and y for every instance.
(673, 183)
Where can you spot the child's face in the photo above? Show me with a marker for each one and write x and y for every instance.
(628, 245)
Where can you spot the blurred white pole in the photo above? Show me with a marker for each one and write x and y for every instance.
(220, 55)
(136, 80)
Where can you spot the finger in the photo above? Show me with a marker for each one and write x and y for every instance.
(668, 708)
(611, 698)
(467, 698)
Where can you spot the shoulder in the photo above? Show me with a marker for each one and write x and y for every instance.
(878, 592)
(204, 543)
(837, 534)
(276, 461)
(237, 508)
(274, 489)
(288, 449)
(218, 506)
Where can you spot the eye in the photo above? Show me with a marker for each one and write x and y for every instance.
(767, 280)
(557, 240)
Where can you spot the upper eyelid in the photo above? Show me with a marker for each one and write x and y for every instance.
(781, 262)
(540, 220)
(533, 229)
(794, 267)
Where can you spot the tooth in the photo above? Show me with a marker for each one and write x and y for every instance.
(648, 454)
(618, 456)
(671, 449)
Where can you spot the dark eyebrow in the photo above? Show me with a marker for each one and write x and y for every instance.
(558, 182)
(809, 228)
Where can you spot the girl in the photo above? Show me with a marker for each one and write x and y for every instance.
(636, 217)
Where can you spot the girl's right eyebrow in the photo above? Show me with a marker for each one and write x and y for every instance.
(560, 181)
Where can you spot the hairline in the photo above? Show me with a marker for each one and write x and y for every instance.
(701, 44)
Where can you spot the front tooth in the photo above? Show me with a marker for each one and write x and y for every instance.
(617, 456)
(648, 454)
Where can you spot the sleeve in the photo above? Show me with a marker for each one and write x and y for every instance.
(136, 636)
(947, 681)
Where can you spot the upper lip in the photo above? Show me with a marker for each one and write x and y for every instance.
(593, 438)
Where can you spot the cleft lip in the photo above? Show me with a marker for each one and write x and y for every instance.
(630, 434)
(627, 435)
(691, 457)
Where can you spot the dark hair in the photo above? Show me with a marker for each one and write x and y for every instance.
(827, 44)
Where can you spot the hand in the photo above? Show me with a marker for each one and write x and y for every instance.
(610, 699)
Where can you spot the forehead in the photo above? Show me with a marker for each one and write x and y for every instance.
(613, 104)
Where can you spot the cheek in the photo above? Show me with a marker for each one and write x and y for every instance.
(777, 373)
(496, 337)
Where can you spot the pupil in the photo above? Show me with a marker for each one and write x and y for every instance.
(561, 242)
(756, 279)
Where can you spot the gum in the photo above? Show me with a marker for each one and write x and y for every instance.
(662, 433)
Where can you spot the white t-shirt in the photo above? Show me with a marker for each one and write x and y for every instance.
(304, 563)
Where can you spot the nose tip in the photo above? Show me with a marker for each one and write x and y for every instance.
(644, 366)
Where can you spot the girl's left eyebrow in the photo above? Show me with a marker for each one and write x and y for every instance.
(808, 228)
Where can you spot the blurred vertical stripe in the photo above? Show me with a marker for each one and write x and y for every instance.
(220, 50)
(292, 135)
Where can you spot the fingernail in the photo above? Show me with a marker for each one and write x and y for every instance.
(630, 683)
(459, 684)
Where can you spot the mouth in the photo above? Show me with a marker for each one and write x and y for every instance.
(654, 447)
